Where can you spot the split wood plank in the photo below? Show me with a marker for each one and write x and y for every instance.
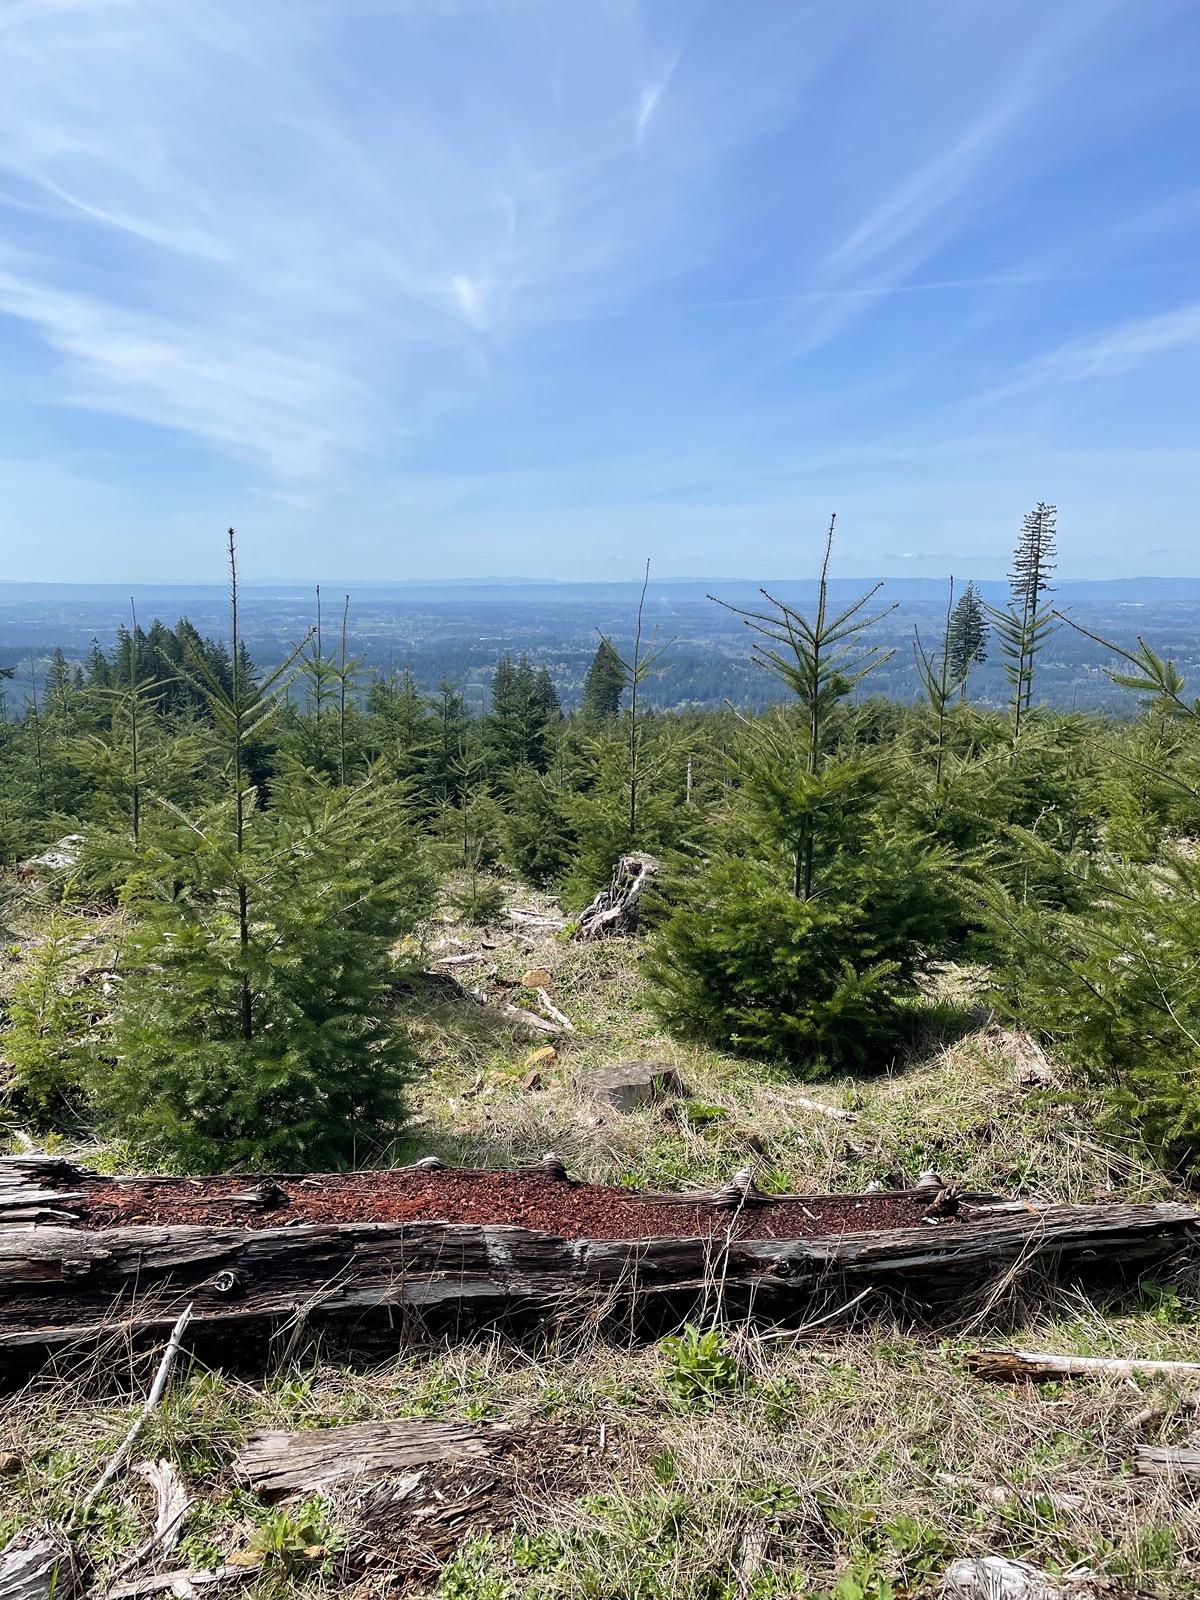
(1166, 1461)
(277, 1463)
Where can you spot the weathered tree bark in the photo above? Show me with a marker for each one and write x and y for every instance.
(36, 1566)
(275, 1463)
(616, 910)
(65, 1284)
(1012, 1366)
(521, 1021)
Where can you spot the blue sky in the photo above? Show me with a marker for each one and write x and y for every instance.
(470, 287)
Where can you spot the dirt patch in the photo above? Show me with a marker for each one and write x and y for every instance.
(552, 1205)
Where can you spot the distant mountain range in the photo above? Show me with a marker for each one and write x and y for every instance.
(1106, 591)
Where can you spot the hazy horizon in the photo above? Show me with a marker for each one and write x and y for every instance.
(333, 586)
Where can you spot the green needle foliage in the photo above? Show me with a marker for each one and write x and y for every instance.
(312, 1074)
(251, 1027)
(1023, 629)
(968, 640)
(1115, 978)
(805, 930)
(47, 1040)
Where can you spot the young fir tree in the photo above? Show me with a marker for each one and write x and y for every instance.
(46, 1042)
(524, 710)
(804, 933)
(935, 669)
(968, 641)
(252, 1027)
(641, 663)
(540, 841)
(1114, 977)
(400, 732)
(1024, 628)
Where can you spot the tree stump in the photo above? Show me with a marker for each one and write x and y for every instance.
(616, 910)
(630, 1085)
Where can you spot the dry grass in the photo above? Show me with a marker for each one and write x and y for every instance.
(837, 1465)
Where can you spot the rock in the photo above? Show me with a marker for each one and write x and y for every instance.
(537, 978)
(9, 1462)
(545, 1057)
(629, 1085)
(62, 856)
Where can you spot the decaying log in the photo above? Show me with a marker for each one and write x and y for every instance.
(525, 1021)
(805, 1104)
(276, 1464)
(185, 1583)
(554, 1014)
(530, 917)
(1012, 1366)
(63, 1284)
(616, 910)
(1166, 1461)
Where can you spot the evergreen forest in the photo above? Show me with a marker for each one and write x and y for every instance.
(267, 845)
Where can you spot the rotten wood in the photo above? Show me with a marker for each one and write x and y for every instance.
(530, 917)
(37, 1565)
(276, 1463)
(525, 1021)
(64, 1284)
(172, 1504)
(157, 1390)
(998, 1578)
(554, 1014)
(185, 1583)
(1040, 1366)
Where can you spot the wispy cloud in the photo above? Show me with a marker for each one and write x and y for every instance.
(1107, 355)
(298, 229)
(964, 158)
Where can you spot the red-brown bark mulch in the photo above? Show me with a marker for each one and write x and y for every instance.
(552, 1205)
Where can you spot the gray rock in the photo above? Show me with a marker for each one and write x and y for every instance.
(630, 1085)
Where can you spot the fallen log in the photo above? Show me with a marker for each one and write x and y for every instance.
(185, 1583)
(1040, 1366)
(997, 1578)
(750, 1253)
(525, 1021)
(277, 1463)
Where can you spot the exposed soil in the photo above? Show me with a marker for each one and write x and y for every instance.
(553, 1205)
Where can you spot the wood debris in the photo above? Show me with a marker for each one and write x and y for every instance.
(276, 1463)
(1010, 1366)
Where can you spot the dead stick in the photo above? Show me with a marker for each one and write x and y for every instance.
(1008, 1365)
(157, 1389)
(554, 1013)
